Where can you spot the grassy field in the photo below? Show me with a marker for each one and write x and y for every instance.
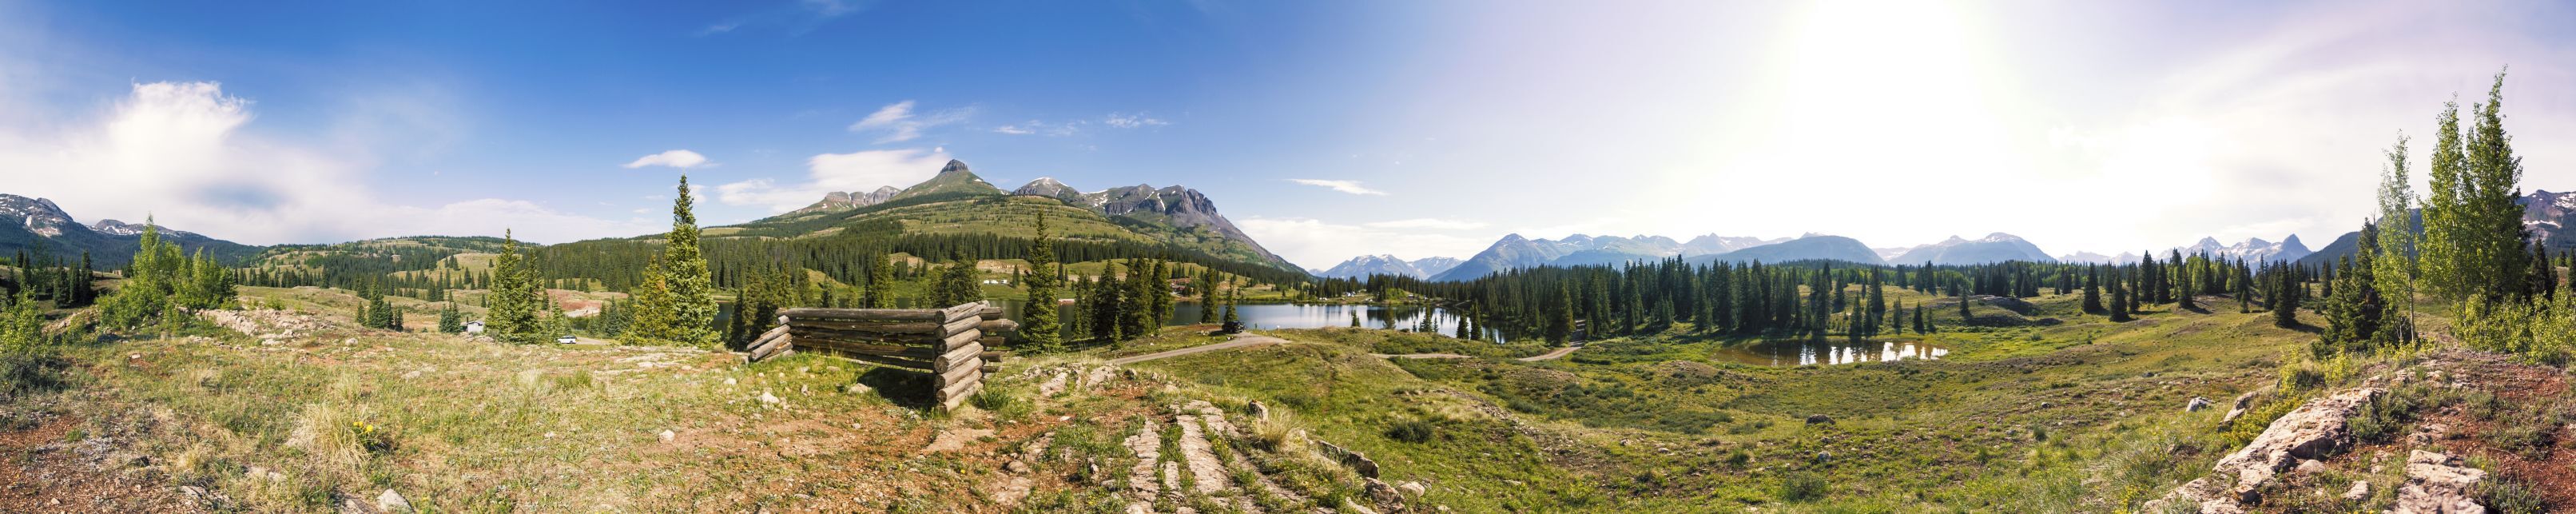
(2058, 412)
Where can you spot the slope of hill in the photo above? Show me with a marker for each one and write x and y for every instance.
(1809, 247)
(1996, 247)
(37, 224)
(1435, 265)
(1510, 253)
(956, 201)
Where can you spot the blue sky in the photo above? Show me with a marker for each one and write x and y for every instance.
(1444, 124)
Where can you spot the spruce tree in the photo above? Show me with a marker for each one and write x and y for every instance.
(880, 286)
(693, 302)
(512, 314)
(1043, 330)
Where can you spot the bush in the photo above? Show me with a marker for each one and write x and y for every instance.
(1799, 487)
(2511, 496)
(1413, 431)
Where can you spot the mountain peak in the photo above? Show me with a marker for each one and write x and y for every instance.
(954, 166)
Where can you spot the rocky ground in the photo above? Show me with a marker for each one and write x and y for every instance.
(2456, 431)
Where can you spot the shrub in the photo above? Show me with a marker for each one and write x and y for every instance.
(1413, 431)
(2511, 496)
(1799, 487)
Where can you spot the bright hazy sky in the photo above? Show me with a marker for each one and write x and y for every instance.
(1325, 129)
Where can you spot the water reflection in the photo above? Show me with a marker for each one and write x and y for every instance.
(1800, 353)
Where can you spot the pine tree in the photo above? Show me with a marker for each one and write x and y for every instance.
(693, 302)
(1043, 331)
(512, 314)
(880, 286)
(450, 321)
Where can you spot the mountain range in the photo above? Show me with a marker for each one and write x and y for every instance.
(955, 200)
(1362, 267)
(1995, 247)
(37, 224)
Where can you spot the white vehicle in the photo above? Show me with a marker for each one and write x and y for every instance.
(566, 339)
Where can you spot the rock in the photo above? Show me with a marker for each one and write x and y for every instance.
(856, 388)
(667, 435)
(2312, 431)
(728, 380)
(1824, 457)
(1381, 494)
(1259, 411)
(1015, 467)
(392, 502)
(2436, 483)
(767, 398)
(1359, 462)
(2309, 467)
(2196, 404)
(2360, 490)
(1411, 489)
(1819, 419)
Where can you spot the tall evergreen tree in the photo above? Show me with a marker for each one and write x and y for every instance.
(513, 302)
(880, 287)
(693, 301)
(1043, 331)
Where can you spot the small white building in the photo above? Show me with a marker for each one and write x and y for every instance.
(474, 327)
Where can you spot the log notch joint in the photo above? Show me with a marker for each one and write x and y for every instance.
(950, 344)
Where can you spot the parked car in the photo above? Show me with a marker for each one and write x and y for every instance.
(567, 339)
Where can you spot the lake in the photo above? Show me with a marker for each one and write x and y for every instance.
(1799, 353)
(1293, 315)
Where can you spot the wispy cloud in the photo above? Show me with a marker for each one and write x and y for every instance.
(1346, 186)
(899, 123)
(1431, 223)
(1015, 130)
(796, 17)
(1124, 120)
(672, 158)
(855, 171)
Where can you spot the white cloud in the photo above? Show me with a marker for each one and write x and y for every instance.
(178, 151)
(1346, 186)
(899, 123)
(1431, 223)
(1314, 243)
(1014, 130)
(1124, 120)
(671, 158)
(826, 173)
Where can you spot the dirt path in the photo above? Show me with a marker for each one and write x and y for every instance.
(1420, 356)
(1553, 355)
(1240, 340)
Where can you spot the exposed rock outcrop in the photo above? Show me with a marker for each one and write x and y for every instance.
(2313, 431)
(2438, 484)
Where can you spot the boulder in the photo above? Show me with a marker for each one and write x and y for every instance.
(1359, 462)
(2196, 404)
(2312, 431)
(1411, 489)
(1384, 496)
(1819, 419)
(2438, 484)
(2360, 491)
(393, 502)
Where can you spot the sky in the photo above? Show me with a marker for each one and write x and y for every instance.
(1325, 129)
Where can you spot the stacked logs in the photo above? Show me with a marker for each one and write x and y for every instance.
(949, 343)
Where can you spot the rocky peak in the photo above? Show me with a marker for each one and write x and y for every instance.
(954, 166)
(119, 228)
(36, 214)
